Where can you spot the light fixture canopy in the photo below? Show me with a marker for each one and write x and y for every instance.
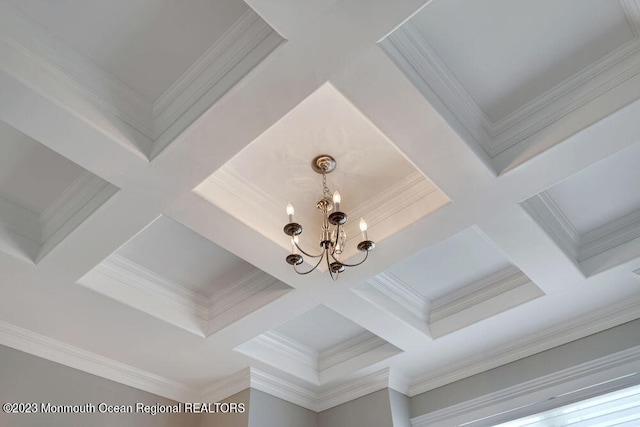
(333, 235)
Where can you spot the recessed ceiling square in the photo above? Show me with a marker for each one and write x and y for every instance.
(43, 195)
(180, 277)
(376, 181)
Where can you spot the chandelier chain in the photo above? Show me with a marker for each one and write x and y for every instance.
(325, 189)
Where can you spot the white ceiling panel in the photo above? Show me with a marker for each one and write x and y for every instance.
(320, 328)
(184, 257)
(146, 44)
(32, 175)
(505, 53)
(450, 265)
(601, 193)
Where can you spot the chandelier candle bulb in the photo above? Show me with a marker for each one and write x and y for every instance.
(363, 228)
(336, 201)
(290, 212)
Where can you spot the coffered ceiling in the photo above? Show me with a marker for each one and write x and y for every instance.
(149, 150)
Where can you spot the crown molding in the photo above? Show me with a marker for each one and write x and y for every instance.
(86, 194)
(289, 348)
(631, 10)
(420, 62)
(19, 221)
(92, 363)
(153, 123)
(238, 291)
(249, 40)
(55, 70)
(609, 236)
(284, 390)
(227, 386)
(530, 390)
(350, 390)
(477, 292)
(544, 210)
(407, 297)
(580, 327)
(349, 349)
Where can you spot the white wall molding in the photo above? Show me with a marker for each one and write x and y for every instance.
(227, 386)
(529, 393)
(403, 294)
(421, 63)
(350, 390)
(285, 390)
(86, 361)
(580, 327)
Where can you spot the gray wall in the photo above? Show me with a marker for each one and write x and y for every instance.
(230, 420)
(269, 411)
(26, 378)
(372, 410)
(562, 357)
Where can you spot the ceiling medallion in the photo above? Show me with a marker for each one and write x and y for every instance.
(332, 234)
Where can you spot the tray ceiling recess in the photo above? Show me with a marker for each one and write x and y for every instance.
(43, 196)
(174, 274)
(511, 93)
(376, 180)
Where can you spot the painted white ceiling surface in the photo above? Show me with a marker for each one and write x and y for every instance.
(146, 44)
(450, 265)
(491, 146)
(601, 193)
(177, 253)
(505, 53)
(31, 175)
(320, 328)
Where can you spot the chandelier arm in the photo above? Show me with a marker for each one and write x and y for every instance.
(309, 255)
(366, 255)
(302, 273)
(329, 267)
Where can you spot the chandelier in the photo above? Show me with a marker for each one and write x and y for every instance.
(332, 233)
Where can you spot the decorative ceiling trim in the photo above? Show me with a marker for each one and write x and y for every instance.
(92, 363)
(40, 58)
(543, 209)
(407, 297)
(43, 232)
(284, 390)
(226, 62)
(312, 365)
(232, 56)
(130, 283)
(631, 10)
(609, 236)
(86, 194)
(349, 349)
(603, 368)
(350, 390)
(227, 386)
(19, 230)
(421, 63)
(580, 327)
